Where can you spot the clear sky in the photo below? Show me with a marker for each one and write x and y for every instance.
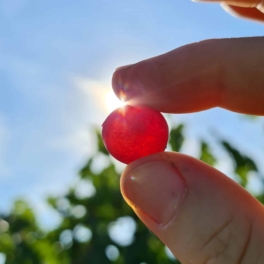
(56, 63)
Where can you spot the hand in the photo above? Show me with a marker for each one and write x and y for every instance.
(199, 213)
(251, 9)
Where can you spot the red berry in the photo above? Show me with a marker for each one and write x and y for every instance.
(133, 132)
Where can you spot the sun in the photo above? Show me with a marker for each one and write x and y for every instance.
(112, 102)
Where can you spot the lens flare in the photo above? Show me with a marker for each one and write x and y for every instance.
(112, 102)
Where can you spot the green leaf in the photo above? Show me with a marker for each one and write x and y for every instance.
(176, 137)
(261, 198)
(86, 171)
(100, 143)
(242, 163)
(252, 117)
(206, 154)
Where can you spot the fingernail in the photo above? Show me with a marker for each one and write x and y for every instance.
(123, 87)
(156, 188)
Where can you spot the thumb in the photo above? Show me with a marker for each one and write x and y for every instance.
(199, 213)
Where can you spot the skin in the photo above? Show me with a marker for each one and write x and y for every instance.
(249, 9)
(199, 213)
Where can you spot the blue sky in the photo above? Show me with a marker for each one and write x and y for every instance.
(56, 63)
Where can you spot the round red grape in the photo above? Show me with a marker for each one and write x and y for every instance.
(133, 132)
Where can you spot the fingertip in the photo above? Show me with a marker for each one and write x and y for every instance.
(125, 82)
(154, 178)
(133, 83)
(118, 83)
(241, 12)
(133, 165)
(161, 156)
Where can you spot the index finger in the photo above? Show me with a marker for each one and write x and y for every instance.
(227, 73)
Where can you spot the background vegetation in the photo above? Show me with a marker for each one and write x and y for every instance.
(101, 228)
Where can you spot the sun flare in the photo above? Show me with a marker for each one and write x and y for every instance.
(112, 102)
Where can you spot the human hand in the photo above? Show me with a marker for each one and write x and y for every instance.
(251, 9)
(199, 213)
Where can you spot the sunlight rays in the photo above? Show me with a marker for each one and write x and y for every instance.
(112, 102)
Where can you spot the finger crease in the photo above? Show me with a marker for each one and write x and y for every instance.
(245, 247)
(215, 234)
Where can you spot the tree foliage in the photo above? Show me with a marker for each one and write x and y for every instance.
(98, 228)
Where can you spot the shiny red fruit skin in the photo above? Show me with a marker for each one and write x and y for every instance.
(133, 132)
